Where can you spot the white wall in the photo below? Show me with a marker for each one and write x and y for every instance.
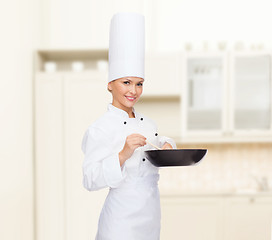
(194, 21)
(169, 24)
(81, 23)
(85, 24)
(17, 24)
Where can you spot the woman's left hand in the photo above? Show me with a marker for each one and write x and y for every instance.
(167, 146)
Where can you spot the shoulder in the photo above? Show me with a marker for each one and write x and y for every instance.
(104, 124)
(100, 122)
(95, 132)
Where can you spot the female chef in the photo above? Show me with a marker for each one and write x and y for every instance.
(114, 144)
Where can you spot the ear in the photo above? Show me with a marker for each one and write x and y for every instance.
(109, 86)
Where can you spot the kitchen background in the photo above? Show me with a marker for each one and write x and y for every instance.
(208, 85)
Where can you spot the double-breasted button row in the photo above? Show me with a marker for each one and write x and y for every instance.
(126, 122)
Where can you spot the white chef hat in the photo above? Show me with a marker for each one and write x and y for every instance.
(126, 45)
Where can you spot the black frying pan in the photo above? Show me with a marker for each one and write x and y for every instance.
(175, 157)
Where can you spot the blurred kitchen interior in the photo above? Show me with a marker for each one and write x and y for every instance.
(208, 85)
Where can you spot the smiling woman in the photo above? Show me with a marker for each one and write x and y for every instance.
(115, 144)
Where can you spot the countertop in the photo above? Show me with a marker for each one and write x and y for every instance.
(218, 194)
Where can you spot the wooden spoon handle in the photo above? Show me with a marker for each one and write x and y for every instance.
(153, 145)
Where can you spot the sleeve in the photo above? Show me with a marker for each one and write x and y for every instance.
(163, 140)
(101, 166)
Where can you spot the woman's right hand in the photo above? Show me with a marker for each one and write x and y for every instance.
(133, 141)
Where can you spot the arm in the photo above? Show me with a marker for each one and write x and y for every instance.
(101, 166)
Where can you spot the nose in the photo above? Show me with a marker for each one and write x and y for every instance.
(133, 89)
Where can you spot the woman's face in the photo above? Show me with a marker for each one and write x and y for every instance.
(126, 91)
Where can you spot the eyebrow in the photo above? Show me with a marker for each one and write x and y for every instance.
(131, 80)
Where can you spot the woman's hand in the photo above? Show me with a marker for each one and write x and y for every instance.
(133, 141)
(167, 146)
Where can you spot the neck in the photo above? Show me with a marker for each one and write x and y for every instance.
(132, 115)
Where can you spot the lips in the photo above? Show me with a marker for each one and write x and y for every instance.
(130, 98)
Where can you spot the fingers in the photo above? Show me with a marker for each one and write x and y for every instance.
(167, 146)
(136, 140)
(137, 135)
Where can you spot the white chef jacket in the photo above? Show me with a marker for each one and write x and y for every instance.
(132, 208)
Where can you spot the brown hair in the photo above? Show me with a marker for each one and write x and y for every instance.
(108, 89)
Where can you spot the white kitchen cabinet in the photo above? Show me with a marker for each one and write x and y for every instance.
(49, 161)
(250, 106)
(204, 217)
(85, 99)
(66, 104)
(248, 218)
(226, 97)
(190, 218)
(203, 94)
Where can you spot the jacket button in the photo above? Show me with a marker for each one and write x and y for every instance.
(125, 122)
(156, 134)
(142, 119)
(143, 159)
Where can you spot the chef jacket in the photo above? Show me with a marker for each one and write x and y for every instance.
(103, 141)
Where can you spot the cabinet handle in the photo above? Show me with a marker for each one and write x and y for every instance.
(191, 92)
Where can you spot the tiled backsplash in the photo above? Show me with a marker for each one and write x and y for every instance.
(225, 168)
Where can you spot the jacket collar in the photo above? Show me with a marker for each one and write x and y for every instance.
(120, 112)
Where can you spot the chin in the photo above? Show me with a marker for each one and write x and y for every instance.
(129, 105)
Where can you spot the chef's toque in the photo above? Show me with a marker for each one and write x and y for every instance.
(126, 45)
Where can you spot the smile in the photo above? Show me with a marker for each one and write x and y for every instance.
(131, 98)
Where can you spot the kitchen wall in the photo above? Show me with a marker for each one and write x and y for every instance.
(170, 25)
(81, 23)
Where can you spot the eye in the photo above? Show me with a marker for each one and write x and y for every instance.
(126, 82)
(139, 84)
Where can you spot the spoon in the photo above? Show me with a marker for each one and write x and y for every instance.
(153, 145)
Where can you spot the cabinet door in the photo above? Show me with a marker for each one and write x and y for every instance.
(191, 218)
(248, 218)
(49, 174)
(85, 99)
(204, 94)
(251, 93)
